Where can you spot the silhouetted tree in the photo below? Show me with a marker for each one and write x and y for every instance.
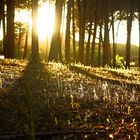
(2, 17)
(35, 49)
(129, 27)
(67, 40)
(88, 42)
(100, 43)
(82, 15)
(55, 49)
(10, 45)
(73, 30)
(139, 38)
(26, 43)
(106, 55)
(94, 32)
(114, 45)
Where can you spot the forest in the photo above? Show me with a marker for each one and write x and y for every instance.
(64, 74)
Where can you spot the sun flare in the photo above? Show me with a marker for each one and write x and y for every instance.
(45, 21)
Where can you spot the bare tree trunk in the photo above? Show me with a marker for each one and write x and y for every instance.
(106, 35)
(10, 45)
(3, 29)
(99, 46)
(88, 43)
(35, 49)
(79, 19)
(73, 23)
(114, 45)
(139, 41)
(82, 10)
(129, 27)
(100, 32)
(67, 41)
(55, 49)
(94, 34)
(19, 41)
(25, 46)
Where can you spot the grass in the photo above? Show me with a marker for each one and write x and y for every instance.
(50, 99)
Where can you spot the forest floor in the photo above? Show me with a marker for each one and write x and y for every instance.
(51, 100)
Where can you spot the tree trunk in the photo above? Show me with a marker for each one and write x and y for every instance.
(35, 49)
(114, 45)
(67, 41)
(94, 34)
(73, 32)
(55, 49)
(19, 41)
(82, 10)
(129, 27)
(88, 43)
(139, 41)
(3, 28)
(106, 48)
(99, 45)
(25, 46)
(10, 45)
(101, 8)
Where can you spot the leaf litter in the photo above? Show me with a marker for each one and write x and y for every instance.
(49, 97)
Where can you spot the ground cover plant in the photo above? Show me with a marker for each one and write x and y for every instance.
(50, 101)
(123, 76)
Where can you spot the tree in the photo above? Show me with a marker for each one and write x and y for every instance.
(67, 41)
(106, 55)
(114, 45)
(82, 14)
(100, 43)
(129, 26)
(55, 49)
(139, 38)
(73, 31)
(101, 10)
(94, 33)
(88, 42)
(35, 49)
(26, 43)
(2, 17)
(10, 45)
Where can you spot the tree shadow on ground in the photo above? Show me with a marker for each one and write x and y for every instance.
(21, 107)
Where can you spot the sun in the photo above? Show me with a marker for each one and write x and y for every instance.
(45, 21)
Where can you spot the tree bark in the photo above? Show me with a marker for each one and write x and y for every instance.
(94, 34)
(73, 31)
(106, 48)
(19, 41)
(82, 12)
(114, 45)
(55, 49)
(101, 8)
(129, 27)
(10, 45)
(67, 41)
(139, 41)
(99, 45)
(88, 43)
(35, 47)
(25, 46)
(2, 5)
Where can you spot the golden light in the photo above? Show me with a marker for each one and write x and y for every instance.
(45, 21)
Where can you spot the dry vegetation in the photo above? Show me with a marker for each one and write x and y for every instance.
(50, 100)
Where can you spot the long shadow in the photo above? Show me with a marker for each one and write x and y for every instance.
(112, 81)
(24, 110)
(20, 107)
